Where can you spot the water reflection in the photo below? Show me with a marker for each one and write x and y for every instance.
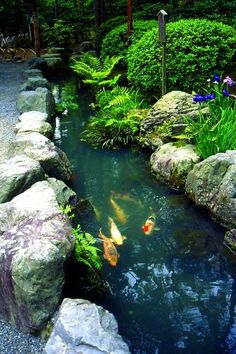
(172, 291)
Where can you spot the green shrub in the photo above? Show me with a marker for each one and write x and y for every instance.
(195, 49)
(58, 34)
(115, 42)
(108, 26)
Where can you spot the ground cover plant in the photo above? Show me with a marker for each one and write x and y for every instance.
(216, 131)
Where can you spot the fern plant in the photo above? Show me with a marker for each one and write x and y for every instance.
(95, 72)
(85, 250)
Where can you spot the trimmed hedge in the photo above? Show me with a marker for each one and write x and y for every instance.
(115, 42)
(196, 48)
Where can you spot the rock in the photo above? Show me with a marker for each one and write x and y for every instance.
(86, 46)
(36, 63)
(18, 174)
(230, 240)
(212, 184)
(167, 117)
(36, 146)
(64, 194)
(34, 125)
(33, 73)
(33, 83)
(152, 143)
(83, 327)
(27, 117)
(36, 240)
(172, 163)
(55, 50)
(41, 100)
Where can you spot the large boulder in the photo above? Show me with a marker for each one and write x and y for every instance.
(212, 184)
(52, 159)
(83, 327)
(33, 73)
(36, 240)
(168, 117)
(41, 100)
(18, 174)
(34, 125)
(64, 194)
(171, 163)
(27, 117)
(34, 82)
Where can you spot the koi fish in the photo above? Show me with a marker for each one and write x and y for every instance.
(127, 197)
(118, 211)
(110, 251)
(115, 233)
(149, 225)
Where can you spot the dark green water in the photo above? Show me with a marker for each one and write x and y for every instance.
(173, 291)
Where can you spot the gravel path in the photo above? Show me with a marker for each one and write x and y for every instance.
(11, 78)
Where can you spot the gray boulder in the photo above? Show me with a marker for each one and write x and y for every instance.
(36, 146)
(212, 184)
(36, 240)
(83, 327)
(34, 125)
(33, 83)
(167, 117)
(41, 100)
(64, 194)
(18, 174)
(27, 117)
(33, 73)
(171, 163)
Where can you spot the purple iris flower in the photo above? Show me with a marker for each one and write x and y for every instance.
(199, 98)
(211, 96)
(226, 93)
(216, 78)
(229, 81)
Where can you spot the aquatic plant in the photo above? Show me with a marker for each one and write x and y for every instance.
(85, 250)
(118, 121)
(96, 72)
(214, 132)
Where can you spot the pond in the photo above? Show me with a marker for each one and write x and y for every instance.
(173, 291)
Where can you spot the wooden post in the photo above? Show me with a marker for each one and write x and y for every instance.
(129, 19)
(162, 39)
(36, 28)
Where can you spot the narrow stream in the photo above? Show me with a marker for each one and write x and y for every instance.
(173, 291)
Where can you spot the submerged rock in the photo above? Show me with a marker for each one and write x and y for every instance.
(36, 239)
(171, 163)
(212, 184)
(83, 327)
(18, 174)
(52, 159)
(41, 100)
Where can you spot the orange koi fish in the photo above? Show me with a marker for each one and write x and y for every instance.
(149, 225)
(110, 251)
(118, 211)
(116, 236)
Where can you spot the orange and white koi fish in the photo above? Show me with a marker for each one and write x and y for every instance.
(110, 251)
(115, 233)
(149, 225)
(118, 211)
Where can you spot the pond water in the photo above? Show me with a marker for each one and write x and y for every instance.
(173, 291)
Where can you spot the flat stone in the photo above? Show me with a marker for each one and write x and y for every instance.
(26, 126)
(27, 117)
(33, 73)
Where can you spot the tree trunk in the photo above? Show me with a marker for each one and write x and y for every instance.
(129, 19)
(36, 29)
(99, 12)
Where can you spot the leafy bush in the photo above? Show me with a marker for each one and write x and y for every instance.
(195, 49)
(215, 132)
(118, 121)
(108, 26)
(115, 42)
(58, 34)
(96, 72)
